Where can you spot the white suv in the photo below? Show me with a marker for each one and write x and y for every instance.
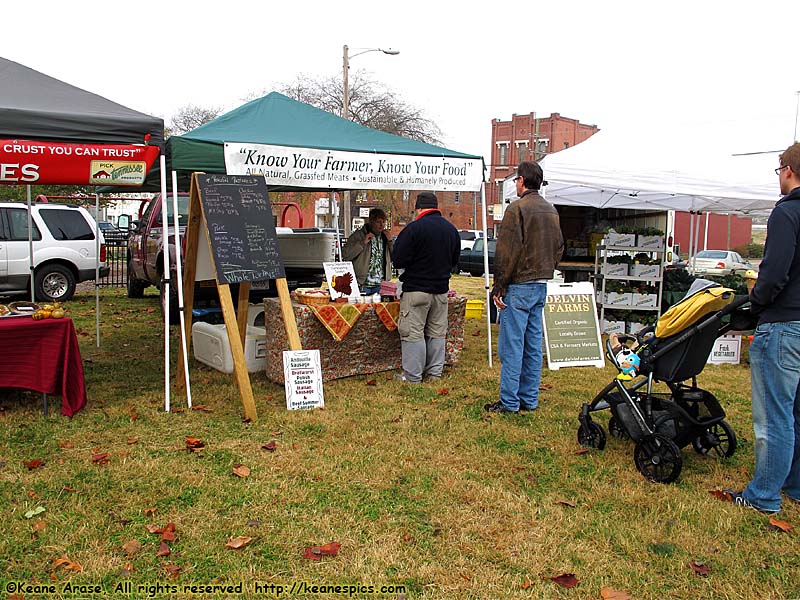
(64, 249)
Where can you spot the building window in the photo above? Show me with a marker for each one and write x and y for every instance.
(522, 151)
(503, 154)
(457, 198)
(566, 145)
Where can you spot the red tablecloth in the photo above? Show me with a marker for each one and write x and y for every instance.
(43, 356)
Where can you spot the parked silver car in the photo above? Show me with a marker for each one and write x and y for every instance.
(719, 262)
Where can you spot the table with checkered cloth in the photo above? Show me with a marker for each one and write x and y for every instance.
(369, 347)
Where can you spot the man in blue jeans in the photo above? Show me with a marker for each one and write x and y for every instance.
(529, 247)
(775, 352)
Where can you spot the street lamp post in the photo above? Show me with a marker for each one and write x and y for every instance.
(346, 111)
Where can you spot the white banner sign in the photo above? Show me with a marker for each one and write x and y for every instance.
(310, 167)
(302, 373)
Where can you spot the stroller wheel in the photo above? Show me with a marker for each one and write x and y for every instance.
(616, 429)
(719, 439)
(592, 436)
(658, 458)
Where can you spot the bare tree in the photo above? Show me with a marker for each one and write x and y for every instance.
(190, 117)
(371, 104)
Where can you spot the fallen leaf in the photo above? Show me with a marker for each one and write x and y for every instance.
(700, 568)
(132, 547)
(276, 433)
(317, 552)
(68, 565)
(240, 541)
(545, 387)
(202, 407)
(134, 416)
(526, 584)
(408, 538)
(163, 550)
(33, 495)
(782, 525)
(36, 511)
(173, 571)
(567, 503)
(150, 511)
(168, 534)
(254, 523)
(33, 464)
(397, 420)
(372, 382)
(271, 446)
(63, 445)
(608, 593)
(150, 310)
(241, 471)
(126, 570)
(154, 529)
(100, 458)
(565, 580)
(132, 441)
(39, 526)
(194, 444)
(476, 334)
(443, 392)
(720, 495)
(582, 451)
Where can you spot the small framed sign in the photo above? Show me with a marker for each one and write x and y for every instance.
(302, 374)
(571, 330)
(341, 280)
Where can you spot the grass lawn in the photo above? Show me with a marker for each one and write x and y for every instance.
(421, 488)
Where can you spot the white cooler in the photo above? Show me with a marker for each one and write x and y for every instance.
(211, 345)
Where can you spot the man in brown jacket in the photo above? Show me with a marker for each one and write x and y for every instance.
(529, 247)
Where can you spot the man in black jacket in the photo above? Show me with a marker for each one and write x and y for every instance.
(775, 352)
(427, 248)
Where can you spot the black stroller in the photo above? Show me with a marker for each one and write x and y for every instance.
(674, 352)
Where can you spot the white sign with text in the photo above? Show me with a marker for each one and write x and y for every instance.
(302, 374)
(337, 169)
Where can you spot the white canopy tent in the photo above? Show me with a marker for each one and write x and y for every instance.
(615, 169)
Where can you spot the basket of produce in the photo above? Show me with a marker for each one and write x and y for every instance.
(312, 296)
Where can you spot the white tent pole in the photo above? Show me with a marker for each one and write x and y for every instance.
(30, 243)
(696, 238)
(165, 280)
(690, 262)
(705, 236)
(97, 267)
(486, 276)
(179, 285)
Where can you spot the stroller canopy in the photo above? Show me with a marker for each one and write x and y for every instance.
(692, 308)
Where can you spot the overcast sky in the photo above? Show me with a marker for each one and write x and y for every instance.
(731, 65)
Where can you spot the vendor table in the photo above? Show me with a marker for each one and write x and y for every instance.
(369, 347)
(43, 356)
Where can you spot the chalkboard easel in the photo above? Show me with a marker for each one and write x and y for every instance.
(241, 247)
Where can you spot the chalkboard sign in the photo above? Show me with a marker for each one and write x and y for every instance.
(571, 331)
(241, 229)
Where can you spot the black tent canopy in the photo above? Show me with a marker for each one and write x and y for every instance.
(36, 106)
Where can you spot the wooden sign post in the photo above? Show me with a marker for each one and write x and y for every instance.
(241, 247)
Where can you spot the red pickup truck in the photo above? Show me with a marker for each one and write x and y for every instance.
(303, 250)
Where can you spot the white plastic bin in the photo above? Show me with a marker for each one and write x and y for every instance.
(211, 347)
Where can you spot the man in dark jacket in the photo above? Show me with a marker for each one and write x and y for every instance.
(528, 250)
(370, 249)
(427, 249)
(775, 351)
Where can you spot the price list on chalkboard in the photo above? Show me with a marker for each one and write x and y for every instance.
(241, 229)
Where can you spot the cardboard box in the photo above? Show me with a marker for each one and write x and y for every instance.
(615, 269)
(650, 241)
(613, 326)
(726, 350)
(620, 239)
(632, 327)
(646, 271)
(616, 299)
(645, 300)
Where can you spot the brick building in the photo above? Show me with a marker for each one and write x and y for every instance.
(525, 137)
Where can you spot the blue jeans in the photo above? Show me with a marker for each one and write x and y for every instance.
(775, 381)
(519, 345)
(369, 290)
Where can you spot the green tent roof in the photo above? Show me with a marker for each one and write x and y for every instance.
(279, 120)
